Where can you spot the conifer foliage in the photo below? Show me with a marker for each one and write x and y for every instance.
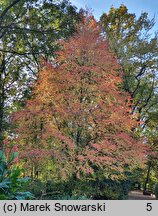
(78, 113)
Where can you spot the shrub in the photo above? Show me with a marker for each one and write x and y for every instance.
(110, 190)
(11, 185)
(88, 189)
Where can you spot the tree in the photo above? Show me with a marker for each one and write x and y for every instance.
(78, 112)
(131, 41)
(136, 48)
(151, 134)
(28, 32)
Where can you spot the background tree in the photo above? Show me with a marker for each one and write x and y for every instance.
(136, 49)
(151, 135)
(29, 31)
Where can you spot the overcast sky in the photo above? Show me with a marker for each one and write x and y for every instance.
(134, 6)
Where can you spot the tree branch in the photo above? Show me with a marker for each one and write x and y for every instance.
(40, 31)
(20, 53)
(149, 97)
(142, 71)
(8, 8)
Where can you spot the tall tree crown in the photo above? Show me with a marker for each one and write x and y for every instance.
(77, 109)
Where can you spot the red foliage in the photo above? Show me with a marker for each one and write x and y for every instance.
(78, 112)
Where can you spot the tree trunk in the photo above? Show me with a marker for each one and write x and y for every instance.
(148, 175)
(2, 98)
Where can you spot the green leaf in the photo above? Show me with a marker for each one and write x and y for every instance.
(4, 185)
(1, 154)
(2, 157)
(23, 180)
(2, 168)
(23, 195)
(3, 197)
(20, 198)
(12, 156)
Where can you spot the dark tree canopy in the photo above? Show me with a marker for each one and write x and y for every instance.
(28, 32)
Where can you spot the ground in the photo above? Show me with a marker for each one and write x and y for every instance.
(138, 195)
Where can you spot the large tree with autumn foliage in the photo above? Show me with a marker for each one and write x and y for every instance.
(78, 113)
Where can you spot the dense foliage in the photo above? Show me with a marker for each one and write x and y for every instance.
(11, 183)
(78, 114)
(132, 40)
(29, 30)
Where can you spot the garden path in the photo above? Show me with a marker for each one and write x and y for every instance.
(138, 195)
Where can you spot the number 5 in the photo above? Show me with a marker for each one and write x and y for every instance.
(149, 207)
